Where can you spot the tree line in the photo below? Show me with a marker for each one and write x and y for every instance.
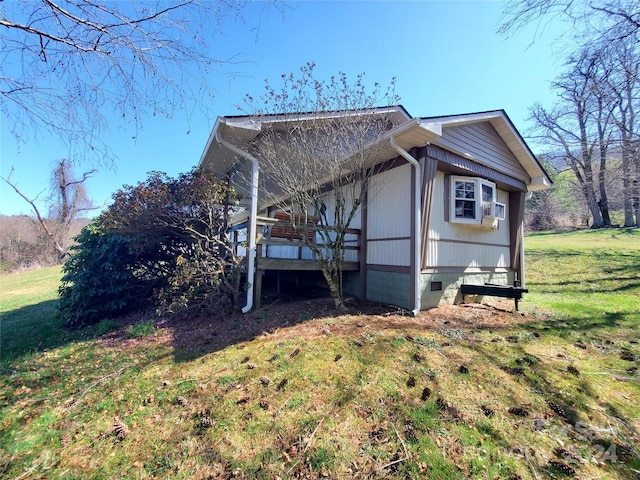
(593, 128)
(44, 238)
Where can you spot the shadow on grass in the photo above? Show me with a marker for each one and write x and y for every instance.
(588, 286)
(581, 321)
(35, 328)
(196, 337)
(571, 398)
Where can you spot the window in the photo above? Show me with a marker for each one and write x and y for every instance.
(474, 202)
(465, 199)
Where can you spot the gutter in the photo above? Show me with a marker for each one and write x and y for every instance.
(416, 222)
(251, 249)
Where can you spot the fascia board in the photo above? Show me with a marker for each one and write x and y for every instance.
(238, 131)
(210, 140)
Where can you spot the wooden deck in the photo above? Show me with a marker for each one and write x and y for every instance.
(274, 233)
(266, 263)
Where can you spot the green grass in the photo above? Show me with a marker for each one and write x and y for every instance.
(379, 396)
(28, 315)
(27, 309)
(588, 276)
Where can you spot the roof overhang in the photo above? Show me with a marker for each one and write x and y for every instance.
(241, 131)
(502, 124)
(237, 131)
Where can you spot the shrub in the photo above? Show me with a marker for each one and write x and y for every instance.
(163, 241)
(202, 281)
(99, 278)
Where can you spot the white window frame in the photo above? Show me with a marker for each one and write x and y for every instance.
(480, 192)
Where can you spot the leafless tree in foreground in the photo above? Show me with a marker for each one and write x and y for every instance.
(316, 161)
(66, 62)
(595, 21)
(68, 201)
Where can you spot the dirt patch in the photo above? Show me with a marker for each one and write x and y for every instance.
(315, 318)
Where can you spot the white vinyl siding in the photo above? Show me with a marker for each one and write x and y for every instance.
(448, 253)
(389, 218)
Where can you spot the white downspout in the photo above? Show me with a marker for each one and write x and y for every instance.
(416, 221)
(253, 213)
(522, 279)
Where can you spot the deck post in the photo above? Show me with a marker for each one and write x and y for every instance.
(257, 279)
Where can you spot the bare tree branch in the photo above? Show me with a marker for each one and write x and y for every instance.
(41, 220)
(65, 60)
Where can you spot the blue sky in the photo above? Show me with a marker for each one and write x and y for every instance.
(446, 56)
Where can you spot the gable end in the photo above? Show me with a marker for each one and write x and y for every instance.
(481, 143)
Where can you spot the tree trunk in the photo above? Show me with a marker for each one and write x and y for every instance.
(603, 204)
(334, 283)
(592, 204)
(589, 194)
(628, 192)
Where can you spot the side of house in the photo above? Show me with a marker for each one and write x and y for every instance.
(445, 206)
(475, 177)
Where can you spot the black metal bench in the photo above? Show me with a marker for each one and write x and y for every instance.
(492, 290)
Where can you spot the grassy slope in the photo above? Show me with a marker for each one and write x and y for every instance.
(376, 396)
(25, 299)
(586, 274)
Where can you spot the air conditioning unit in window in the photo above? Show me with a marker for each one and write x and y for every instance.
(499, 210)
(489, 222)
(496, 212)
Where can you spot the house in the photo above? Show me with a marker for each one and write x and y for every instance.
(446, 206)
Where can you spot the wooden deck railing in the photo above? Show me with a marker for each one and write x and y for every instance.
(303, 258)
(280, 232)
(274, 233)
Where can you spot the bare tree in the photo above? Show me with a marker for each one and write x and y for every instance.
(595, 21)
(610, 31)
(66, 61)
(622, 86)
(317, 158)
(68, 200)
(580, 126)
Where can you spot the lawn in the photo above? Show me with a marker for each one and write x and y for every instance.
(586, 275)
(297, 391)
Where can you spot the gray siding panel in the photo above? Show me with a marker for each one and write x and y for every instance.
(389, 287)
(451, 281)
(482, 143)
